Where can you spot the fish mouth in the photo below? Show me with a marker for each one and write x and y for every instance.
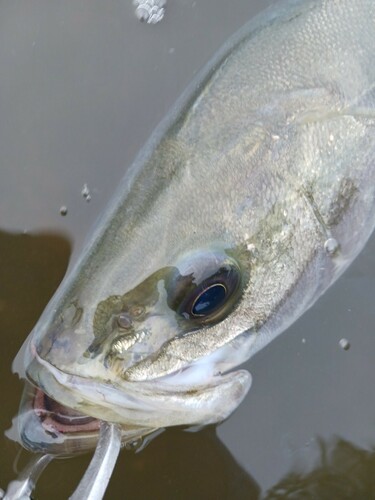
(51, 427)
(57, 418)
(45, 425)
(71, 405)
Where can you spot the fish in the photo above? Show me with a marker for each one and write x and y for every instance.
(250, 199)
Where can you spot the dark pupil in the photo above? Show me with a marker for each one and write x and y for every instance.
(209, 300)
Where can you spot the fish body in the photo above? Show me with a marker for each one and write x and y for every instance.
(251, 198)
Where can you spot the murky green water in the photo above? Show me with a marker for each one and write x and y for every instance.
(82, 85)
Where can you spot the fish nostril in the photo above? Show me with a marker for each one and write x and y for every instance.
(137, 311)
(124, 321)
(72, 315)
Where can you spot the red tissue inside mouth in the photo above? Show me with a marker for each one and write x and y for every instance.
(57, 418)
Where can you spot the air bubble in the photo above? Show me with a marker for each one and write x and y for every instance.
(86, 192)
(344, 344)
(63, 210)
(134, 444)
(142, 14)
(331, 246)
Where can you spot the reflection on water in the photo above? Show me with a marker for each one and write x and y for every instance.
(344, 472)
(176, 464)
(182, 465)
(31, 268)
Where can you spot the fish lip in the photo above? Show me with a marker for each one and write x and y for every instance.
(217, 364)
(73, 379)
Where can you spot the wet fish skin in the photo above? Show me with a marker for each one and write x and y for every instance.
(269, 158)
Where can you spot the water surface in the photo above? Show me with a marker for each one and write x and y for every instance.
(82, 85)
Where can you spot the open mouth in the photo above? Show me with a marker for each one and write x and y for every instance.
(59, 419)
(46, 426)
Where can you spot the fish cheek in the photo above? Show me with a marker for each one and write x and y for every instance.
(127, 327)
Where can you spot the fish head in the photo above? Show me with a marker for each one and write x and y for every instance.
(119, 358)
(171, 294)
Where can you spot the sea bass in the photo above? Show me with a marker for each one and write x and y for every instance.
(250, 199)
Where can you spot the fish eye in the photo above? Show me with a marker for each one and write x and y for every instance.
(205, 287)
(209, 300)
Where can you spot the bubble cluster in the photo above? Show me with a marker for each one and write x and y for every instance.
(86, 192)
(150, 11)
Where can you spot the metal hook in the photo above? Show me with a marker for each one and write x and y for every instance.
(21, 488)
(95, 480)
